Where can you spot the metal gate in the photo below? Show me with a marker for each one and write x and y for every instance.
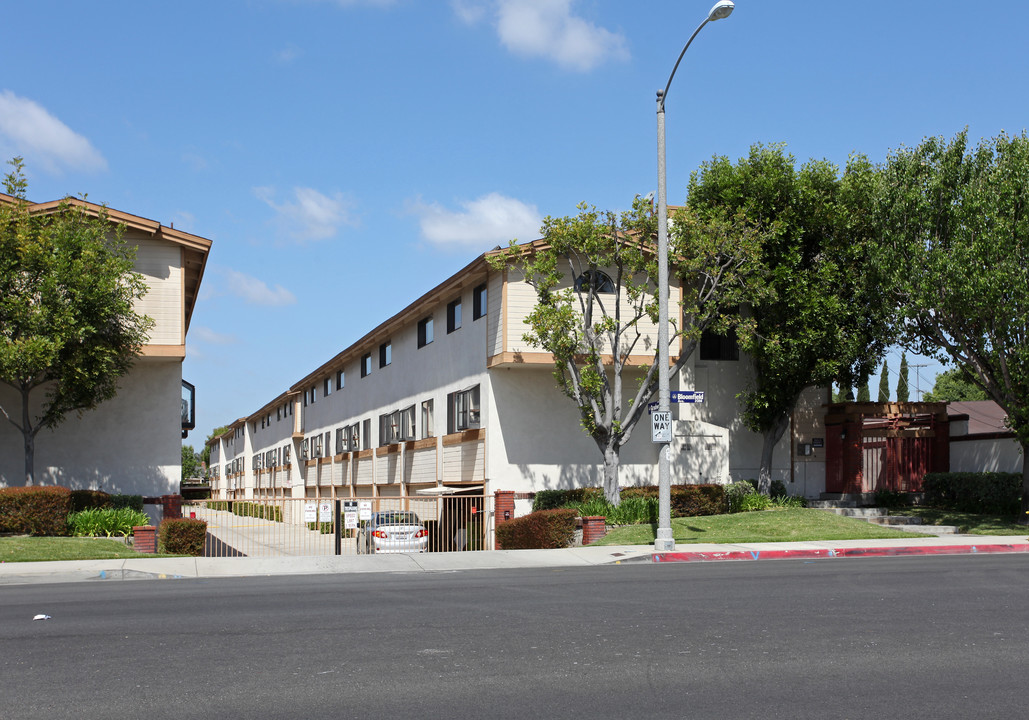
(283, 527)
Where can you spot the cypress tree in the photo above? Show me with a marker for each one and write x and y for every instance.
(902, 384)
(884, 384)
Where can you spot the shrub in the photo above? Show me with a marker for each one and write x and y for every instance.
(735, 492)
(108, 522)
(183, 536)
(545, 529)
(988, 493)
(892, 499)
(686, 500)
(324, 528)
(755, 501)
(633, 509)
(777, 489)
(551, 499)
(35, 510)
(789, 501)
(88, 499)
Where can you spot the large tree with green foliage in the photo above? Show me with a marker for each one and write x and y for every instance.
(190, 463)
(823, 320)
(68, 329)
(954, 385)
(955, 221)
(595, 277)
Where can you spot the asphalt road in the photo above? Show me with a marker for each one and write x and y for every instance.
(941, 637)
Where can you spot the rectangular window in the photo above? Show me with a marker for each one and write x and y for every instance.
(719, 347)
(304, 449)
(385, 353)
(355, 437)
(285, 454)
(479, 302)
(389, 428)
(407, 423)
(316, 446)
(314, 394)
(339, 380)
(342, 445)
(454, 315)
(424, 332)
(366, 365)
(327, 387)
(463, 410)
(366, 431)
(427, 431)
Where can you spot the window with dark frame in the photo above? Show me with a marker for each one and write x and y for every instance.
(479, 298)
(339, 379)
(385, 353)
(366, 365)
(714, 346)
(453, 316)
(463, 410)
(424, 331)
(599, 281)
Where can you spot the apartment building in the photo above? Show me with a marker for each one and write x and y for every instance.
(131, 443)
(448, 395)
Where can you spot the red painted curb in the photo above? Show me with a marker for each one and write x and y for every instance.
(813, 553)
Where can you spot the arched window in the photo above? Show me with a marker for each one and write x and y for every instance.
(599, 281)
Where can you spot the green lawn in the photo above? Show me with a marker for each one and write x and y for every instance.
(793, 524)
(968, 523)
(33, 549)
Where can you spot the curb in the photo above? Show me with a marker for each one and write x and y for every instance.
(817, 553)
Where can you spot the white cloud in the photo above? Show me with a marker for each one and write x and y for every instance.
(288, 54)
(256, 292)
(481, 224)
(311, 215)
(27, 129)
(548, 29)
(209, 336)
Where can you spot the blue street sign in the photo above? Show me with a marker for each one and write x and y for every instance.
(679, 396)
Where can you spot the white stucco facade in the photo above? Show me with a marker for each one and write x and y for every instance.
(132, 443)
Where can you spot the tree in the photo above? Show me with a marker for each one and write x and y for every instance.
(593, 322)
(903, 386)
(955, 221)
(822, 320)
(68, 330)
(190, 463)
(954, 385)
(205, 454)
(864, 394)
(884, 383)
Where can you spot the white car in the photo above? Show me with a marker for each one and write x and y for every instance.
(393, 531)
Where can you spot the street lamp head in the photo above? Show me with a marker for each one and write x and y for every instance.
(722, 9)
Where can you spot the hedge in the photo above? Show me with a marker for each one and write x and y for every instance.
(35, 510)
(89, 499)
(687, 500)
(988, 493)
(552, 499)
(543, 529)
(183, 536)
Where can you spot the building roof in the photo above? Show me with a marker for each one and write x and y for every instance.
(194, 248)
(984, 417)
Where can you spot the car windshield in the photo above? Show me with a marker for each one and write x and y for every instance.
(396, 518)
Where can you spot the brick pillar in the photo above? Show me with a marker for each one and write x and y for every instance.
(144, 539)
(504, 510)
(172, 506)
(594, 527)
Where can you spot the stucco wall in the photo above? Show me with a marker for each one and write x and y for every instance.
(995, 455)
(130, 444)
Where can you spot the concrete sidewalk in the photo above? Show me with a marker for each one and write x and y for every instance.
(176, 568)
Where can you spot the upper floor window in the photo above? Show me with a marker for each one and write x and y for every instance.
(719, 347)
(463, 410)
(424, 331)
(385, 354)
(427, 430)
(596, 280)
(366, 365)
(479, 297)
(327, 387)
(454, 315)
(339, 379)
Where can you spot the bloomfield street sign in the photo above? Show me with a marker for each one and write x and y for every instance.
(680, 396)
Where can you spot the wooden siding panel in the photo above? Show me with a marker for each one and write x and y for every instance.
(160, 263)
(465, 462)
(420, 466)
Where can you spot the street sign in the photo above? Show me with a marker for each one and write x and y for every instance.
(325, 512)
(310, 512)
(661, 426)
(364, 510)
(350, 514)
(687, 396)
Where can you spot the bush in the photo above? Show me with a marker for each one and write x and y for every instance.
(183, 536)
(35, 510)
(686, 500)
(89, 499)
(892, 499)
(552, 499)
(755, 501)
(107, 522)
(546, 529)
(735, 492)
(987, 493)
(777, 489)
(633, 510)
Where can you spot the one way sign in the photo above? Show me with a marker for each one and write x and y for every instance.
(661, 426)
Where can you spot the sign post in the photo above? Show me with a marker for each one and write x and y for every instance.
(661, 426)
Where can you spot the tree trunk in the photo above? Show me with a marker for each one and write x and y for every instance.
(611, 491)
(770, 438)
(1024, 517)
(29, 436)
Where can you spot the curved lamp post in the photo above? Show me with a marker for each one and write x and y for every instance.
(664, 540)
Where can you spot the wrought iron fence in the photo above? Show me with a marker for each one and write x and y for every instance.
(283, 527)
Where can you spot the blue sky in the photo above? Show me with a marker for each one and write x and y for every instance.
(345, 156)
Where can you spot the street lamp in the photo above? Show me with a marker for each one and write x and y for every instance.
(664, 540)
